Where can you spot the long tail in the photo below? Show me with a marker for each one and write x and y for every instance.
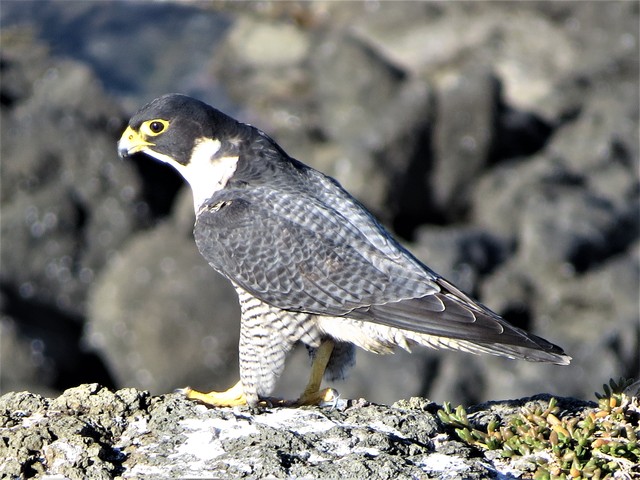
(451, 319)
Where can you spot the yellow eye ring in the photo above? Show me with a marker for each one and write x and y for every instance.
(154, 127)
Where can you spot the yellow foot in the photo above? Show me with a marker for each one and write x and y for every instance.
(328, 396)
(230, 398)
(312, 394)
(235, 397)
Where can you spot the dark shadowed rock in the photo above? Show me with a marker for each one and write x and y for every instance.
(130, 48)
(151, 320)
(466, 119)
(68, 203)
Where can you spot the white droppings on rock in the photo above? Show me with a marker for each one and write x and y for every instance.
(139, 425)
(60, 453)
(299, 421)
(31, 420)
(446, 466)
(340, 447)
(203, 441)
(378, 426)
(141, 469)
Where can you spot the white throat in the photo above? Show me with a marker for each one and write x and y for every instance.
(205, 173)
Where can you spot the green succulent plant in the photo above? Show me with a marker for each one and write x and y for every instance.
(595, 443)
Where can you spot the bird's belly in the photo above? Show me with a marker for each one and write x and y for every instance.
(372, 337)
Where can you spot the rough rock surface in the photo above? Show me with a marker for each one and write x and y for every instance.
(499, 140)
(92, 432)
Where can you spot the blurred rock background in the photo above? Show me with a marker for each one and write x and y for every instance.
(498, 140)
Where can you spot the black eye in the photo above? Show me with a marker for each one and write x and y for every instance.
(156, 127)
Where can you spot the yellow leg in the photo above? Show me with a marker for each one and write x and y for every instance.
(230, 398)
(312, 394)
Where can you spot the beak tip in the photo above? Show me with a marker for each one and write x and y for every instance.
(123, 152)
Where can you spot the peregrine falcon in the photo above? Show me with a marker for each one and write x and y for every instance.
(309, 263)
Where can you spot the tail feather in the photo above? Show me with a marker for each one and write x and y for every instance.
(451, 319)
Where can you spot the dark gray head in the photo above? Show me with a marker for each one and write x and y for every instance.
(172, 126)
(202, 143)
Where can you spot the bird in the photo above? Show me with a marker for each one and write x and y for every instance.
(310, 264)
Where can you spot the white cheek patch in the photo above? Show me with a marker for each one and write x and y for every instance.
(205, 173)
(161, 157)
(207, 178)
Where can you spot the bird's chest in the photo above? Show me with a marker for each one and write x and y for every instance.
(259, 316)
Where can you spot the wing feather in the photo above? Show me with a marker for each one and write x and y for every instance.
(296, 260)
(326, 255)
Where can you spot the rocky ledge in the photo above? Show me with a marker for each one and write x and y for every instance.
(92, 432)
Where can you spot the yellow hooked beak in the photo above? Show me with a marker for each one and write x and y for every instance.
(131, 142)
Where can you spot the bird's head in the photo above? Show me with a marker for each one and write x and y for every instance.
(170, 127)
(199, 141)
